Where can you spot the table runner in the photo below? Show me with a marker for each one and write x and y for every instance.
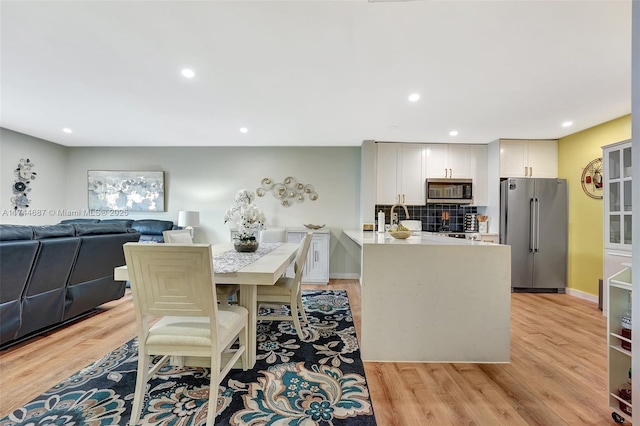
(233, 261)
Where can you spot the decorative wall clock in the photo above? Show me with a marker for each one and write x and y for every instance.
(592, 179)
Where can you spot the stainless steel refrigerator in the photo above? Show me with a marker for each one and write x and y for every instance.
(534, 222)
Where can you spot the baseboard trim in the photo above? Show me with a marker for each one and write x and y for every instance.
(581, 295)
(345, 276)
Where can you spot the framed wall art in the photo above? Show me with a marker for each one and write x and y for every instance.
(126, 190)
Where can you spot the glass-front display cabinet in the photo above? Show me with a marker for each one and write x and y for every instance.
(617, 195)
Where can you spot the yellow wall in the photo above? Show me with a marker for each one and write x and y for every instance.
(585, 213)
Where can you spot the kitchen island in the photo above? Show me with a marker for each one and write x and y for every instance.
(430, 298)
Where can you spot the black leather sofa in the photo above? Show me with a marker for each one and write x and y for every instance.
(51, 274)
(150, 230)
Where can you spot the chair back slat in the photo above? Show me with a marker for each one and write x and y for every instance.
(172, 279)
(301, 256)
(180, 236)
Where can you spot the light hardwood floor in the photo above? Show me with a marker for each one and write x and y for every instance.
(557, 375)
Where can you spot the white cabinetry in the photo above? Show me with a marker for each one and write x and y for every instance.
(617, 186)
(399, 174)
(401, 170)
(316, 268)
(618, 346)
(459, 161)
(480, 176)
(448, 161)
(528, 158)
(617, 195)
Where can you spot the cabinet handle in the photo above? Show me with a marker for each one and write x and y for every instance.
(525, 171)
(530, 171)
(403, 199)
(450, 173)
(445, 173)
(315, 256)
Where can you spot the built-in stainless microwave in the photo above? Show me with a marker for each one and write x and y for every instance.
(450, 191)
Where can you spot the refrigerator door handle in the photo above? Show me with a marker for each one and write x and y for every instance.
(532, 222)
(537, 243)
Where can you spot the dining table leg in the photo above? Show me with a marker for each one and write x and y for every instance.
(248, 299)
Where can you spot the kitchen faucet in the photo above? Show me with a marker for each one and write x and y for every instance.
(393, 218)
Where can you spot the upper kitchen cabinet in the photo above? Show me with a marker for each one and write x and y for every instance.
(399, 173)
(448, 161)
(451, 161)
(528, 158)
(480, 174)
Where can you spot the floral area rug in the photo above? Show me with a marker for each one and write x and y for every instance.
(317, 381)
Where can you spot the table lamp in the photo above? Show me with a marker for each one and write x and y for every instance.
(188, 219)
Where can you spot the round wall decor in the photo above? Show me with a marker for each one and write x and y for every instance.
(592, 179)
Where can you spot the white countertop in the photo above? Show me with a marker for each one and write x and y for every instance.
(425, 238)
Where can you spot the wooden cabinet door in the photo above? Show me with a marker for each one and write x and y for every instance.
(436, 160)
(316, 270)
(513, 158)
(479, 174)
(316, 267)
(399, 174)
(412, 184)
(543, 159)
(459, 161)
(387, 173)
(529, 158)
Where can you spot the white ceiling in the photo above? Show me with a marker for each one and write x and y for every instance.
(315, 73)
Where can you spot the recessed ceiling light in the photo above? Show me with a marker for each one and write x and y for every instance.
(414, 97)
(67, 130)
(188, 73)
(393, 127)
(453, 133)
(567, 124)
(244, 130)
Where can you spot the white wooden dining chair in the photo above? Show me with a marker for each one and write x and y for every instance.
(176, 282)
(273, 235)
(179, 236)
(287, 290)
(183, 236)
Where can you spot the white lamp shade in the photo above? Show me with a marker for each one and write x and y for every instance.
(187, 218)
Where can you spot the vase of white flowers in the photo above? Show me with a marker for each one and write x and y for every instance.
(249, 220)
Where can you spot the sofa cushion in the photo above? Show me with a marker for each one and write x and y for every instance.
(16, 262)
(52, 231)
(99, 228)
(152, 226)
(80, 220)
(125, 222)
(15, 232)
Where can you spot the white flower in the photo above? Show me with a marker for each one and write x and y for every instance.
(246, 215)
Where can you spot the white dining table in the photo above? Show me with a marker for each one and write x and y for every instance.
(264, 271)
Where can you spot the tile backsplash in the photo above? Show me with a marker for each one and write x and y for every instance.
(430, 215)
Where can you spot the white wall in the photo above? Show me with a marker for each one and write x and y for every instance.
(47, 189)
(206, 179)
